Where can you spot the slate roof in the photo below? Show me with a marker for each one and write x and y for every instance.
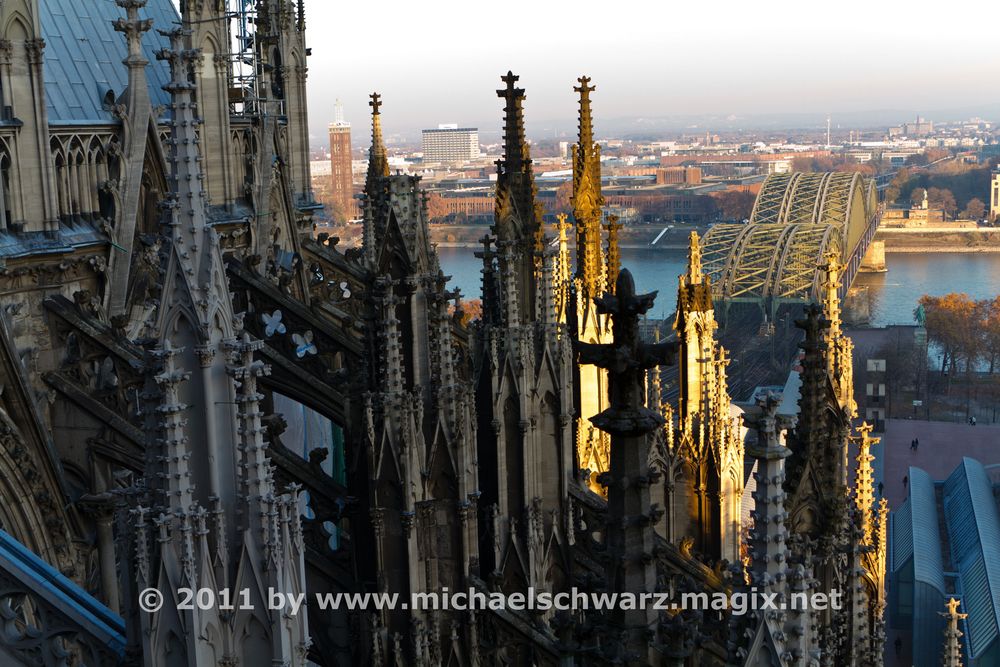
(83, 57)
(71, 235)
(84, 611)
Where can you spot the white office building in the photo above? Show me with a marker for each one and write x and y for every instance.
(450, 144)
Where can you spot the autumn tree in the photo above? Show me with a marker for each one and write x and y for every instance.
(563, 203)
(865, 169)
(942, 199)
(928, 156)
(953, 323)
(990, 310)
(735, 204)
(895, 187)
(975, 209)
(468, 310)
(935, 154)
(818, 163)
(336, 211)
(436, 208)
(803, 164)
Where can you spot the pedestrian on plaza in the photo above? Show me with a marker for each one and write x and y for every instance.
(899, 645)
(916, 444)
(880, 487)
(905, 480)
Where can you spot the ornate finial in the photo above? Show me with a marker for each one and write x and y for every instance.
(952, 606)
(694, 260)
(614, 252)
(515, 156)
(952, 655)
(628, 421)
(586, 122)
(518, 216)
(587, 200)
(863, 493)
(179, 58)
(133, 28)
(378, 161)
(510, 92)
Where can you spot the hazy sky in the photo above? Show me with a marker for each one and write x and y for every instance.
(438, 61)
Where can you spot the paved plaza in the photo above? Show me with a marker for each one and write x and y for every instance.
(942, 446)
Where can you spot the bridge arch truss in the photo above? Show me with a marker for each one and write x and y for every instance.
(798, 219)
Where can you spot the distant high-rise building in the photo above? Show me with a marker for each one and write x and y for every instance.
(919, 128)
(450, 143)
(995, 195)
(341, 182)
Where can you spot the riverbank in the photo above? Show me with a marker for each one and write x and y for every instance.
(939, 239)
(674, 238)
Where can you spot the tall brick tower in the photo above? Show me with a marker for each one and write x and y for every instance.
(341, 182)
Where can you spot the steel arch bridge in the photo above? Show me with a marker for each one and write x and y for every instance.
(797, 220)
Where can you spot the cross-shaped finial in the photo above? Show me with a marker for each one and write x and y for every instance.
(584, 86)
(952, 606)
(510, 92)
(376, 103)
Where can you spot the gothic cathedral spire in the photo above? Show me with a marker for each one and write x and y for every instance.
(587, 199)
(378, 161)
(952, 655)
(518, 216)
(708, 438)
(213, 517)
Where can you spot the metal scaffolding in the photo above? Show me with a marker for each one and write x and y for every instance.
(244, 94)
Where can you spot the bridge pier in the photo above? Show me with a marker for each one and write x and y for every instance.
(856, 309)
(874, 259)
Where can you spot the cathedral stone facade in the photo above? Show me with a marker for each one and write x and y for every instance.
(199, 392)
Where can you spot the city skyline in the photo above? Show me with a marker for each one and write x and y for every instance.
(681, 68)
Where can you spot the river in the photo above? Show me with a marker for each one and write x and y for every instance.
(893, 295)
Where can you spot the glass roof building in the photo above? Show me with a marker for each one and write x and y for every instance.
(945, 542)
